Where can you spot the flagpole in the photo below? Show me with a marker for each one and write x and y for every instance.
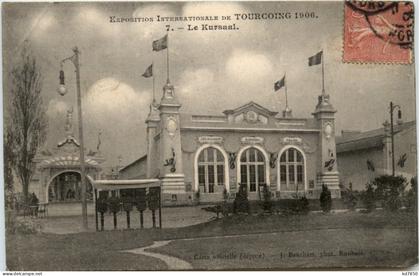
(285, 87)
(153, 75)
(167, 58)
(322, 59)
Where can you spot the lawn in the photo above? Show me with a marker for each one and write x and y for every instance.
(325, 248)
(385, 239)
(82, 251)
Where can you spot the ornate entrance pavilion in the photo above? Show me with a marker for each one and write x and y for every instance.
(58, 169)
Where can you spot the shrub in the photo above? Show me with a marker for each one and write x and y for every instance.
(349, 199)
(225, 194)
(10, 200)
(294, 206)
(303, 205)
(411, 198)
(141, 200)
(389, 190)
(114, 204)
(325, 199)
(101, 205)
(241, 203)
(153, 198)
(19, 225)
(266, 203)
(128, 204)
(368, 198)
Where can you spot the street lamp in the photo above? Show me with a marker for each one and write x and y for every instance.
(392, 107)
(62, 91)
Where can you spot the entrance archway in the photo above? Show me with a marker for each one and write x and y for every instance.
(66, 187)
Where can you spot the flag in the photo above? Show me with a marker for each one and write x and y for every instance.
(160, 44)
(149, 72)
(329, 164)
(316, 59)
(279, 84)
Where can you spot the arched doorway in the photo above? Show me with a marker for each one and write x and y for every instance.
(292, 170)
(66, 187)
(211, 170)
(252, 169)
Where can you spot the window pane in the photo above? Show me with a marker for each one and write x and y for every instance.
(211, 188)
(283, 157)
(244, 178)
(291, 174)
(219, 156)
(243, 156)
(211, 178)
(201, 175)
(251, 155)
(298, 156)
(201, 157)
(299, 173)
(261, 174)
(252, 179)
(260, 156)
(211, 174)
(291, 155)
(283, 173)
(220, 175)
(210, 154)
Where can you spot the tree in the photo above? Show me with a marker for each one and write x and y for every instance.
(241, 203)
(325, 199)
(27, 122)
(8, 170)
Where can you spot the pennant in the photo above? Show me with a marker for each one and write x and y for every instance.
(279, 84)
(316, 59)
(160, 44)
(401, 161)
(370, 165)
(149, 72)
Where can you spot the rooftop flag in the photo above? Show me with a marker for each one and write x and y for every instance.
(279, 84)
(149, 71)
(316, 59)
(160, 44)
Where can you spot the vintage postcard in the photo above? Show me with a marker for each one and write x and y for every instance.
(209, 136)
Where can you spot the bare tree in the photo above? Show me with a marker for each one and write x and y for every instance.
(27, 120)
(8, 167)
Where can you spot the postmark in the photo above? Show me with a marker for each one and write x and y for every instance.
(378, 32)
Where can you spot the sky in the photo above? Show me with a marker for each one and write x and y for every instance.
(211, 70)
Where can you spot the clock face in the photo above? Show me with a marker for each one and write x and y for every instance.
(251, 116)
(171, 126)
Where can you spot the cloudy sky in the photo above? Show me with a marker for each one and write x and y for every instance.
(211, 71)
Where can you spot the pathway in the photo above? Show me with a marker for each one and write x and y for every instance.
(173, 263)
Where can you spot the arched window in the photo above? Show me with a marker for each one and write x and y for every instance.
(211, 170)
(252, 169)
(291, 167)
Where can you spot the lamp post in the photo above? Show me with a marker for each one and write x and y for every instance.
(62, 91)
(392, 107)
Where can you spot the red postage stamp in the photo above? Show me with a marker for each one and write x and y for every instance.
(378, 32)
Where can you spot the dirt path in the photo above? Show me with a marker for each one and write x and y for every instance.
(173, 263)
